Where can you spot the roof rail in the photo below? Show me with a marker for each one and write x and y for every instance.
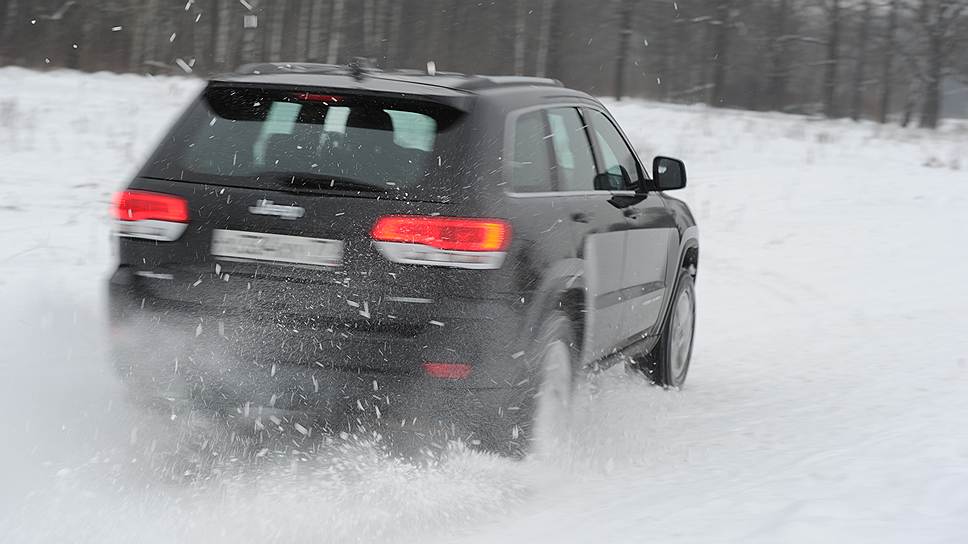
(289, 68)
(360, 67)
(485, 82)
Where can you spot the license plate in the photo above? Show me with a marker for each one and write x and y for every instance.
(279, 248)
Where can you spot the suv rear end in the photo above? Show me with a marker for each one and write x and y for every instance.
(313, 247)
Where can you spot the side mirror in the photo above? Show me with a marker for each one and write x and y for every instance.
(668, 174)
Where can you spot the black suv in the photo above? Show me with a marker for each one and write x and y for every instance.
(316, 246)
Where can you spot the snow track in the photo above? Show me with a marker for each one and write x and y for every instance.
(827, 400)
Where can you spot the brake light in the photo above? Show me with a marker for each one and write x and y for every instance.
(144, 206)
(447, 233)
(447, 371)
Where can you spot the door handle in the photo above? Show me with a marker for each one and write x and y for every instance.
(581, 217)
(630, 212)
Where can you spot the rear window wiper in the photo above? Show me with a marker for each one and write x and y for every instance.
(321, 182)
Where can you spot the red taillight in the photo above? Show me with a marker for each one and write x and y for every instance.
(448, 233)
(141, 205)
(315, 97)
(447, 371)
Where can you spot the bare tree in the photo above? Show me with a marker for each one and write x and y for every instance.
(887, 66)
(369, 25)
(317, 29)
(335, 32)
(942, 29)
(276, 30)
(722, 24)
(777, 54)
(622, 53)
(138, 31)
(832, 9)
(745, 53)
(250, 32)
(393, 41)
(544, 37)
(857, 87)
(303, 22)
(8, 29)
(520, 35)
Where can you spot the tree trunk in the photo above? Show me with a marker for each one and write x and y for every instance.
(717, 96)
(779, 69)
(335, 32)
(368, 32)
(622, 54)
(544, 37)
(393, 42)
(9, 27)
(250, 33)
(857, 92)
(317, 25)
(520, 36)
(90, 59)
(303, 20)
(380, 32)
(152, 26)
(661, 42)
(914, 92)
(931, 105)
(832, 65)
(888, 66)
(197, 21)
(223, 34)
(137, 31)
(277, 30)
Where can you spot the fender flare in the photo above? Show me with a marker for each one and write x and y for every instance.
(689, 242)
(560, 279)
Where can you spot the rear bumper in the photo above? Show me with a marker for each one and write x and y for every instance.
(250, 366)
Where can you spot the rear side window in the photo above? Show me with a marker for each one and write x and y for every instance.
(256, 137)
(618, 159)
(531, 162)
(573, 154)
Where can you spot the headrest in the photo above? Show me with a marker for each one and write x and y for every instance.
(369, 118)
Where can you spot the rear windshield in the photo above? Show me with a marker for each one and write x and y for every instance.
(268, 138)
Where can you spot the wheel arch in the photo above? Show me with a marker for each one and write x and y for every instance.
(562, 288)
(688, 259)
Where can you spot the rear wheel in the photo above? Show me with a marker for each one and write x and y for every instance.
(668, 362)
(544, 422)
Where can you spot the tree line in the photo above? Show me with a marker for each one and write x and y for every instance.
(886, 60)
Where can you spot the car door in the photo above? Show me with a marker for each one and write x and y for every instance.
(541, 214)
(651, 234)
(599, 228)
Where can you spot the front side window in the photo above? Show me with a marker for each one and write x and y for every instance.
(574, 161)
(618, 161)
(531, 160)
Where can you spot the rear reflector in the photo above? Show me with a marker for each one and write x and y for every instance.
(447, 233)
(145, 206)
(447, 371)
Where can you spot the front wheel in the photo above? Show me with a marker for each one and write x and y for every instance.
(668, 362)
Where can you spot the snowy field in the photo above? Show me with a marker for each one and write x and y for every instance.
(828, 400)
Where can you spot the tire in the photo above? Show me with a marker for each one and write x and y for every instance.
(544, 422)
(667, 365)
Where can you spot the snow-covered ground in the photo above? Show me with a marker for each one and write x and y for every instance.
(828, 399)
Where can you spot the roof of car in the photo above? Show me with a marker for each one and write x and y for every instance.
(410, 81)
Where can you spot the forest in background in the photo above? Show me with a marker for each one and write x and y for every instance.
(885, 60)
